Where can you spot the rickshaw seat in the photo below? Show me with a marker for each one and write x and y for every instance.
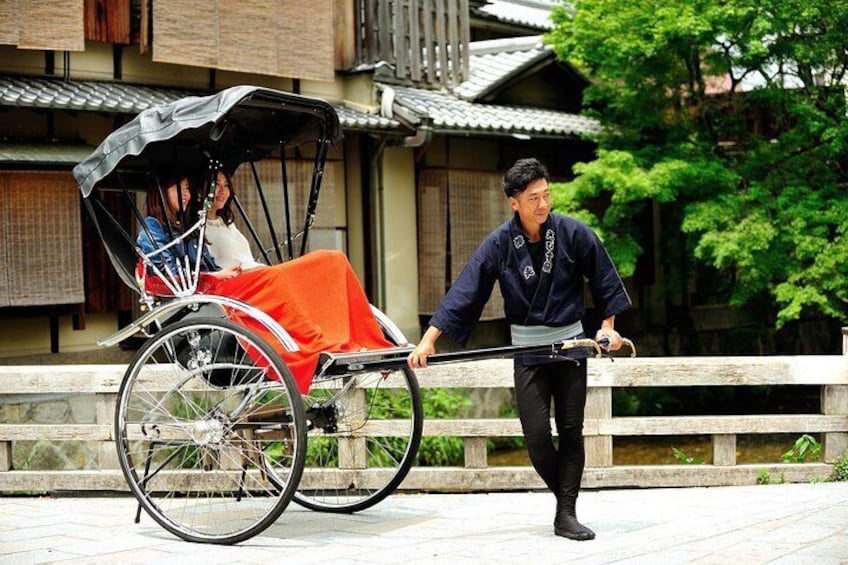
(155, 286)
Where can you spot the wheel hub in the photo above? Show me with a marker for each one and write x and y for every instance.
(207, 432)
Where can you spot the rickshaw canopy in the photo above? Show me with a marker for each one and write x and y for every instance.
(239, 124)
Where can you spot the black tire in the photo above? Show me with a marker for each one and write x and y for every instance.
(206, 408)
(346, 474)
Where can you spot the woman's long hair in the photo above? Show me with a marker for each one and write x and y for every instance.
(155, 198)
(226, 211)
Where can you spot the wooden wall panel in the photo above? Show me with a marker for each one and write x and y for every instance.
(107, 20)
(5, 295)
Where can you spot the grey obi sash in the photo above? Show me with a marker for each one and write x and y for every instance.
(544, 335)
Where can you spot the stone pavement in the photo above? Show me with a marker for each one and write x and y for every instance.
(792, 523)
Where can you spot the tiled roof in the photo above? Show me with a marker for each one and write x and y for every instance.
(360, 121)
(452, 115)
(43, 154)
(40, 92)
(530, 13)
(495, 61)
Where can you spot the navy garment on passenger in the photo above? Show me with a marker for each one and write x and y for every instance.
(554, 297)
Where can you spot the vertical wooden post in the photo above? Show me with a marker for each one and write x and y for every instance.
(724, 450)
(107, 454)
(353, 452)
(599, 407)
(834, 402)
(5, 456)
(475, 452)
(346, 34)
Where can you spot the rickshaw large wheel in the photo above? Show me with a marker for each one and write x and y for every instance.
(364, 434)
(210, 431)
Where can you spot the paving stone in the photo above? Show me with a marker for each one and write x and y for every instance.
(781, 524)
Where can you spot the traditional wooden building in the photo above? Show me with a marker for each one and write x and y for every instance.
(431, 117)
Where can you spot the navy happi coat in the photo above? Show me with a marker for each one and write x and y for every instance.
(553, 297)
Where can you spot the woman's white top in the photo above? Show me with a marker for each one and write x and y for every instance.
(228, 246)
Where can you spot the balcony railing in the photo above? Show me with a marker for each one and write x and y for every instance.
(22, 386)
(417, 42)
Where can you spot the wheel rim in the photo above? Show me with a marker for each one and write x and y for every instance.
(209, 445)
(364, 433)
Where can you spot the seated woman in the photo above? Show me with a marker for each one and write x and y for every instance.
(316, 298)
(225, 242)
(167, 217)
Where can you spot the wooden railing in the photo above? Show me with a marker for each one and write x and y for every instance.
(830, 373)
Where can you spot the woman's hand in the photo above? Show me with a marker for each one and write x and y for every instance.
(228, 273)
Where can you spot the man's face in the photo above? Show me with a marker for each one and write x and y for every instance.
(533, 205)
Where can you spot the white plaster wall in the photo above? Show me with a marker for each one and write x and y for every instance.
(31, 335)
(400, 240)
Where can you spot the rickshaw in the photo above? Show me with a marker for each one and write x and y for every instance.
(213, 435)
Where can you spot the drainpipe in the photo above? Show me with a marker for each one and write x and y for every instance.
(421, 125)
(376, 214)
(422, 133)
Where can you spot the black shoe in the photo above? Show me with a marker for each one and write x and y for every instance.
(569, 527)
(566, 524)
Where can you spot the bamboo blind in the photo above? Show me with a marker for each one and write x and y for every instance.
(8, 22)
(43, 239)
(57, 25)
(477, 207)
(271, 37)
(432, 240)
(300, 179)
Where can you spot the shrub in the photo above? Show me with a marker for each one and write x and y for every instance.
(840, 468)
(805, 446)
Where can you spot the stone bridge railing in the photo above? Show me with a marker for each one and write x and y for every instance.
(25, 385)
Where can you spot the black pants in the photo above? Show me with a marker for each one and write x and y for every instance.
(535, 386)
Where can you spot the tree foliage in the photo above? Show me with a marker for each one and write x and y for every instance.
(731, 114)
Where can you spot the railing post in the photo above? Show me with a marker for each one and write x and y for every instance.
(834, 402)
(353, 451)
(724, 450)
(475, 452)
(598, 407)
(107, 454)
(5, 456)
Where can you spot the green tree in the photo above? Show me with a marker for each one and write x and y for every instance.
(731, 114)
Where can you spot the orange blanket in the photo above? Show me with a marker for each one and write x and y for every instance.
(317, 299)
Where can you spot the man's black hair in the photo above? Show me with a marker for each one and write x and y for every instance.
(522, 173)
